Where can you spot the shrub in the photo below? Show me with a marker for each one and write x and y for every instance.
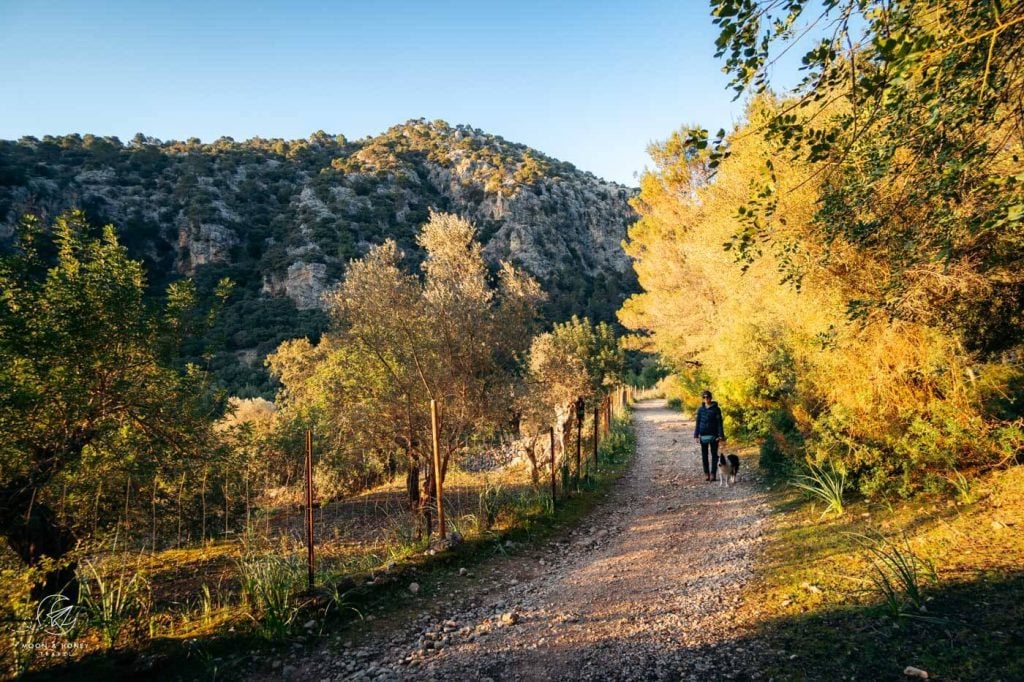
(18, 610)
(620, 443)
(774, 455)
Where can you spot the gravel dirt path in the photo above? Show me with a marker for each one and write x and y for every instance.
(648, 588)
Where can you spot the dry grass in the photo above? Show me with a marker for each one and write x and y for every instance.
(824, 617)
(196, 592)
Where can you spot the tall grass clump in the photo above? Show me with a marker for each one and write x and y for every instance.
(336, 584)
(898, 575)
(465, 525)
(402, 537)
(489, 504)
(521, 508)
(966, 490)
(826, 483)
(112, 602)
(270, 591)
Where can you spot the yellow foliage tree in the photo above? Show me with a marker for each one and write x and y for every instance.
(763, 316)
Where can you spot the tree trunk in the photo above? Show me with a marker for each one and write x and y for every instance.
(427, 500)
(531, 454)
(412, 485)
(127, 499)
(392, 464)
(181, 491)
(516, 424)
(153, 501)
(33, 532)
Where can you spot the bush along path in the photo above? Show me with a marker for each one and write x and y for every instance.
(648, 587)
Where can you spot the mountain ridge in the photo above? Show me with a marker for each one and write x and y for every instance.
(284, 217)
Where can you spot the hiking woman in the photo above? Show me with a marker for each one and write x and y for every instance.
(709, 432)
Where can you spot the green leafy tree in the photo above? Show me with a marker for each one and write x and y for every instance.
(843, 267)
(398, 341)
(577, 360)
(86, 376)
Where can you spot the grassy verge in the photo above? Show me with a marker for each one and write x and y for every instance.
(254, 602)
(861, 595)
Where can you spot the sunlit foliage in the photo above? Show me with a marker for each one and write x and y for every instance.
(89, 394)
(398, 341)
(844, 267)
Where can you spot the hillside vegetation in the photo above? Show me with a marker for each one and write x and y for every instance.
(118, 449)
(283, 218)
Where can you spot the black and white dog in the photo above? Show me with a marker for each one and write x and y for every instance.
(728, 469)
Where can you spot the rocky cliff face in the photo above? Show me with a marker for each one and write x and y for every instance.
(304, 284)
(203, 244)
(283, 218)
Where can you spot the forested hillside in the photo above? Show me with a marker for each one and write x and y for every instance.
(283, 218)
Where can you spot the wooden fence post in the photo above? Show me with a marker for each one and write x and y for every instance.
(581, 411)
(224, 489)
(309, 508)
(551, 437)
(607, 415)
(597, 425)
(437, 468)
(127, 499)
(153, 501)
(181, 491)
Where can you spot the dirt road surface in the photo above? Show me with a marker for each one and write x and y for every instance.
(648, 588)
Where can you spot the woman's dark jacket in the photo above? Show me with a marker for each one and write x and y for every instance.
(709, 421)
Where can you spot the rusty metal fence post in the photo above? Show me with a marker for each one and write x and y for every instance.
(437, 469)
(309, 507)
(551, 447)
(581, 412)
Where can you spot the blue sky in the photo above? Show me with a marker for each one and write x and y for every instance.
(592, 83)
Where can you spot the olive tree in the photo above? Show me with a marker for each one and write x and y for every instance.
(399, 340)
(576, 361)
(87, 379)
